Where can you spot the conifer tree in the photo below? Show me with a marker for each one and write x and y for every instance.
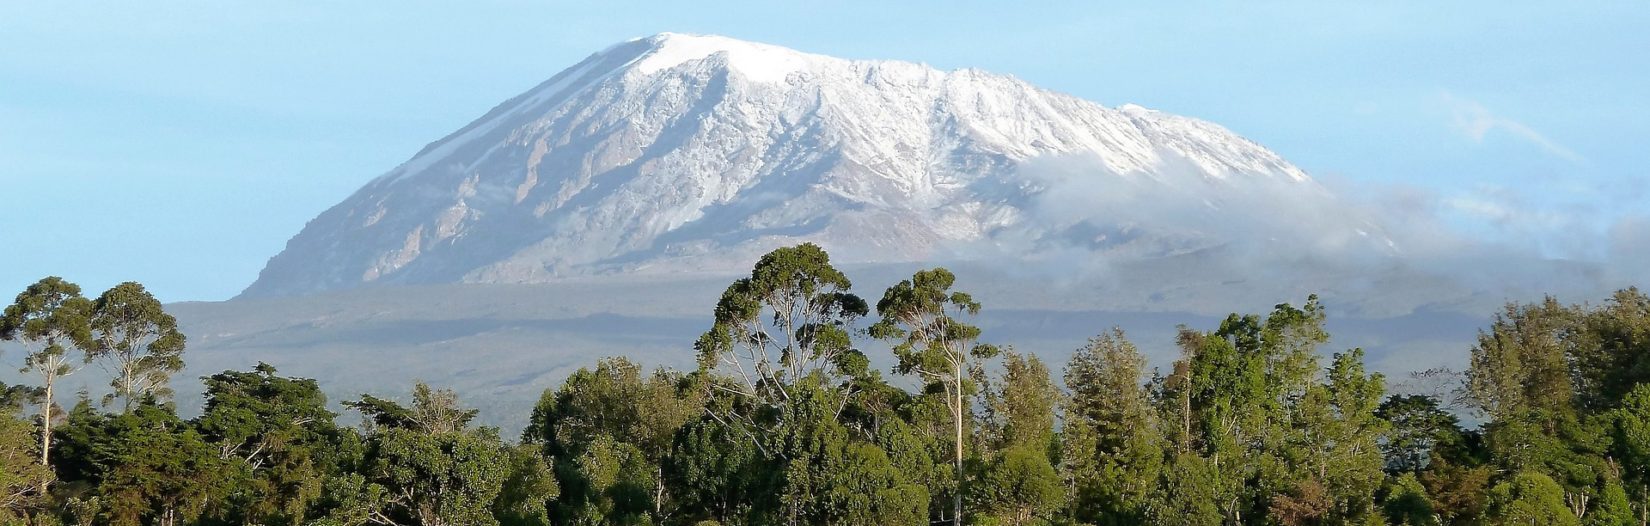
(1112, 445)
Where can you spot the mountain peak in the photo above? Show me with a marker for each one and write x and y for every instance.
(756, 61)
(685, 152)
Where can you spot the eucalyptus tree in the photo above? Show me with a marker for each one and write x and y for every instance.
(52, 320)
(789, 320)
(138, 341)
(922, 316)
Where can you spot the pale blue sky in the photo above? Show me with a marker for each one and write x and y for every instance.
(181, 144)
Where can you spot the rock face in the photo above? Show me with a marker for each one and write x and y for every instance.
(679, 153)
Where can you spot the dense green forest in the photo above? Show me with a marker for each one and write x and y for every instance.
(786, 421)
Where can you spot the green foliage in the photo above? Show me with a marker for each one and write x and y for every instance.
(609, 431)
(1111, 446)
(139, 340)
(152, 468)
(921, 316)
(1460, 494)
(1020, 487)
(1418, 430)
(1188, 496)
(1530, 498)
(279, 438)
(863, 487)
(788, 422)
(1405, 502)
(22, 476)
(718, 473)
(789, 319)
(51, 314)
(51, 319)
(1020, 409)
(528, 492)
(431, 467)
(1632, 434)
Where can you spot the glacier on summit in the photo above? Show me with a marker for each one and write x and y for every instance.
(687, 153)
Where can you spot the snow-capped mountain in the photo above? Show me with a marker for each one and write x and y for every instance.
(683, 152)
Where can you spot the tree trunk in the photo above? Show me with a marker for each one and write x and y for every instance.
(659, 493)
(126, 387)
(46, 424)
(957, 419)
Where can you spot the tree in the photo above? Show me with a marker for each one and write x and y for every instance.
(1020, 484)
(1021, 407)
(1343, 439)
(1460, 494)
(429, 467)
(863, 487)
(1112, 447)
(151, 467)
(527, 493)
(789, 320)
(719, 474)
(1405, 502)
(1418, 429)
(1020, 487)
(1189, 496)
(1247, 396)
(280, 438)
(613, 405)
(22, 475)
(1632, 434)
(1612, 355)
(138, 340)
(1520, 366)
(52, 319)
(1530, 498)
(921, 316)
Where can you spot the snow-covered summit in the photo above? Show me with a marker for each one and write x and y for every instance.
(678, 152)
(756, 62)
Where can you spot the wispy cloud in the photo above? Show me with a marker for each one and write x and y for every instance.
(1475, 121)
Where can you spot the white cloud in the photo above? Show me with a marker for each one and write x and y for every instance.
(1475, 121)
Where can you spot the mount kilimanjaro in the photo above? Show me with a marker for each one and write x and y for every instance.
(604, 211)
(679, 153)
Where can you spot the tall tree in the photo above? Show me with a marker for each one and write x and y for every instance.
(1112, 447)
(138, 341)
(1020, 406)
(1020, 485)
(922, 316)
(1343, 438)
(1520, 367)
(1240, 395)
(790, 319)
(52, 320)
